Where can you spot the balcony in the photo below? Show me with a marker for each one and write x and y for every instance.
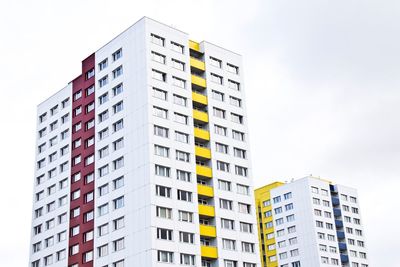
(206, 210)
(199, 81)
(194, 45)
(344, 258)
(208, 230)
(205, 190)
(203, 171)
(209, 252)
(339, 224)
(199, 98)
(201, 134)
(200, 115)
(337, 212)
(335, 201)
(203, 152)
(198, 64)
(342, 246)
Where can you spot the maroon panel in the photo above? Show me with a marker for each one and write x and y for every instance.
(82, 82)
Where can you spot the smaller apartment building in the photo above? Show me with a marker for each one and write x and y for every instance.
(310, 222)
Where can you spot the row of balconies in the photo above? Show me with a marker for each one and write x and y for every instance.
(202, 153)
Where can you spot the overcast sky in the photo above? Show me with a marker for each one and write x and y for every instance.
(322, 85)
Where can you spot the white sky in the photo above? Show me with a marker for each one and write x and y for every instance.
(322, 89)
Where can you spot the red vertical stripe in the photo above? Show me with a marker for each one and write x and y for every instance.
(82, 82)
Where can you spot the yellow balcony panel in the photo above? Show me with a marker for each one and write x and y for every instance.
(206, 210)
(203, 152)
(208, 230)
(205, 190)
(200, 115)
(199, 98)
(199, 81)
(209, 252)
(202, 134)
(194, 45)
(198, 64)
(204, 171)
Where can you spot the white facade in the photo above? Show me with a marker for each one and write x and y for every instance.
(308, 218)
(133, 165)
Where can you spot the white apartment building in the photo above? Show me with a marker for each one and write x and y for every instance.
(310, 222)
(143, 159)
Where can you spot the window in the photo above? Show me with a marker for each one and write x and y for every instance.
(222, 166)
(103, 209)
(65, 118)
(158, 93)
(181, 137)
(183, 176)
(227, 224)
(187, 259)
(182, 156)
(102, 250)
(184, 195)
(118, 223)
(291, 229)
(118, 163)
(103, 64)
(289, 206)
(216, 78)
(232, 68)
(77, 95)
(54, 110)
(237, 118)
(177, 47)
(178, 64)
(217, 95)
(165, 256)
(89, 178)
(178, 82)
(118, 107)
(48, 260)
(222, 148)
(160, 131)
(103, 81)
(42, 117)
(53, 126)
(118, 182)
(241, 171)
(180, 100)
(90, 90)
(42, 132)
(229, 244)
(246, 227)
(160, 112)
(225, 204)
(220, 130)
(117, 54)
(163, 191)
(103, 170)
(180, 118)
(102, 229)
(118, 263)
(89, 160)
(215, 62)
(118, 125)
(234, 85)
(185, 237)
(155, 39)
(165, 234)
(64, 134)
(230, 263)
(162, 171)
(158, 75)
(243, 189)
(224, 185)
(118, 89)
(244, 208)
(157, 57)
(64, 150)
(239, 153)
(237, 135)
(247, 247)
(185, 216)
(103, 116)
(89, 124)
(163, 212)
(219, 113)
(119, 244)
(103, 133)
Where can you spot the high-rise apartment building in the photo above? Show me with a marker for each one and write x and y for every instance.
(143, 159)
(310, 222)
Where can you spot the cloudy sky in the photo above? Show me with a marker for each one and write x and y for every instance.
(322, 85)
